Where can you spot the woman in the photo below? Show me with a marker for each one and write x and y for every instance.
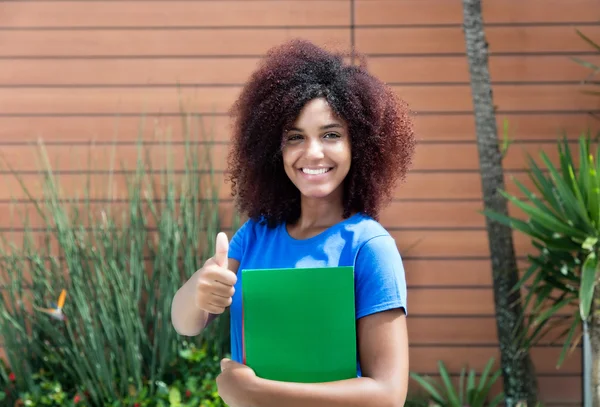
(317, 150)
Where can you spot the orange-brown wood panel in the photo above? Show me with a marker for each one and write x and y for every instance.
(123, 71)
(428, 157)
(451, 243)
(25, 215)
(448, 302)
(219, 99)
(425, 359)
(107, 129)
(453, 186)
(422, 273)
(379, 12)
(450, 40)
(459, 331)
(418, 186)
(130, 128)
(397, 215)
(523, 68)
(213, 13)
(142, 71)
(520, 127)
(179, 42)
(162, 42)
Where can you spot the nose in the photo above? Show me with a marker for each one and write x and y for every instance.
(314, 150)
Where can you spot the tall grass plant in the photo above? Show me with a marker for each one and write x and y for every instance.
(120, 265)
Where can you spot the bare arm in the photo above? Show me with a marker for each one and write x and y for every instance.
(383, 348)
(187, 317)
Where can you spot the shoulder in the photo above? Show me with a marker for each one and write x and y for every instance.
(379, 270)
(252, 230)
(367, 232)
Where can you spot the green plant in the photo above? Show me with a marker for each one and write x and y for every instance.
(469, 392)
(563, 220)
(120, 267)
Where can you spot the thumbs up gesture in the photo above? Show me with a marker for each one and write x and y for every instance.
(215, 281)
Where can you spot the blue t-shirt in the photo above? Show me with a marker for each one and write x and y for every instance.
(358, 241)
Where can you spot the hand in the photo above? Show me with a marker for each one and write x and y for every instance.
(215, 281)
(234, 383)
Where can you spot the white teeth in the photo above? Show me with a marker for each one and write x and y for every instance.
(315, 172)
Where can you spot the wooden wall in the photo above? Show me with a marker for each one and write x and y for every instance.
(68, 68)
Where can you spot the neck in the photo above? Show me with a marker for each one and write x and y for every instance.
(319, 214)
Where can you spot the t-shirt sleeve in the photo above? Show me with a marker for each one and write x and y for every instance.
(237, 244)
(379, 277)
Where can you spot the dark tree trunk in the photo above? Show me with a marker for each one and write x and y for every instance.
(518, 373)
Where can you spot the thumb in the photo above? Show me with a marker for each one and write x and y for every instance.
(221, 250)
(224, 363)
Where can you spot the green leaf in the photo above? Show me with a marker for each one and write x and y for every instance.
(568, 339)
(174, 397)
(588, 283)
(428, 387)
(549, 221)
(588, 40)
(589, 243)
(452, 396)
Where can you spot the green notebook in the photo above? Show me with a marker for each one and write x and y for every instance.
(299, 324)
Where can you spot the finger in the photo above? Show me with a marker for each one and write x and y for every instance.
(214, 309)
(220, 301)
(222, 290)
(225, 363)
(226, 280)
(221, 250)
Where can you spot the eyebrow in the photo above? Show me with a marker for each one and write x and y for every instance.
(326, 127)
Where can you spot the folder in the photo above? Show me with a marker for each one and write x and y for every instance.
(298, 324)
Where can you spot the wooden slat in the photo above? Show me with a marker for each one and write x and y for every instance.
(110, 128)
(457, 302)
(523, 68)
(288, 12)
(120, 71)
(219, 99)
(452, 243)
(448, 244)
(494, 11)
(454, 186)
(428, 157)
(164, 42)
(463, 331)
(25, 215)
(420, 186)
(519, 39)
(427, 127)
(422, 273)
(561, 390)
(422, 302)
(397, 215)
(425, 359)
(175, 13)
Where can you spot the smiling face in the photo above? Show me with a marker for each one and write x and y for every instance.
(316, 152)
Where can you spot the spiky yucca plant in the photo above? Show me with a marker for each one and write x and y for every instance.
(562, 217)
(120, 266)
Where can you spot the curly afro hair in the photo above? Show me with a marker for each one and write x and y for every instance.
(292, 74)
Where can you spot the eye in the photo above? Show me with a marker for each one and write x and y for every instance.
(293, 138)
(332, 135)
